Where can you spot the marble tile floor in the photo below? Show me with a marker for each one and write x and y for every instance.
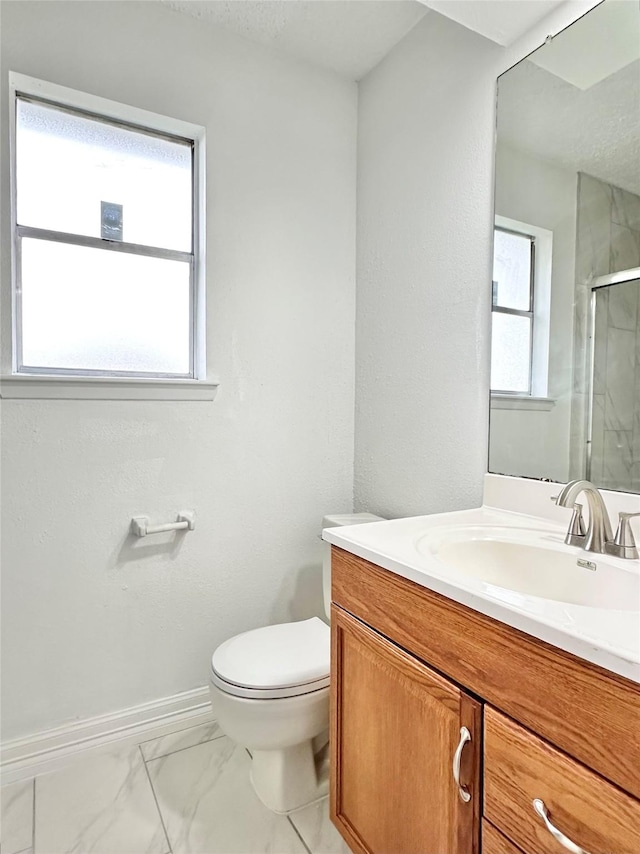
(184, 793)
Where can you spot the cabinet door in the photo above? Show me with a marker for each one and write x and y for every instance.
(395, 729)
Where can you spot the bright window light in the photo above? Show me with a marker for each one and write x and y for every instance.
(67, 164)
(512, 317)
(109, 312)
(104, 245)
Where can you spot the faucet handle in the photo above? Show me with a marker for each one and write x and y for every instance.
(576, 531)
(624, 544)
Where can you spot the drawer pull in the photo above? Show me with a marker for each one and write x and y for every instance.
(465, 736)
(541, 810)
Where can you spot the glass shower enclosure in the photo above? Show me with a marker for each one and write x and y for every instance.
(613, 445)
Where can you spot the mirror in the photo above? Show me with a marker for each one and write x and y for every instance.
(565, 357)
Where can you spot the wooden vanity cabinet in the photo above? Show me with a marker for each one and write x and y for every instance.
(395, 729)
(409, 669)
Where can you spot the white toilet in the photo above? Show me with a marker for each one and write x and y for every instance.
(270, 693)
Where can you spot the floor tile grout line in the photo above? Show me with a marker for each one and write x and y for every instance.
(299, 835)
(177, 731)
(155, 798)
(180, 749)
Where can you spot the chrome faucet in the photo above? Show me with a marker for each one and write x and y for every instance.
(599, 536)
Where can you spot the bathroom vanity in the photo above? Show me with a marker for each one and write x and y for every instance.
(486, 664)
(454, 732)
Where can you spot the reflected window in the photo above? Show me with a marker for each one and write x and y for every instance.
(512, 312)
(105, 266)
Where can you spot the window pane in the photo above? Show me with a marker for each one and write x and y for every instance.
(68, 166)
(102, 310)
(512, 270)
(510, 352)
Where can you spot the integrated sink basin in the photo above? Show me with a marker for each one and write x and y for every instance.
(516, 568)
(533, 563)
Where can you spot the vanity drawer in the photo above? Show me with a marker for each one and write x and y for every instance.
(493, 842)
(520, 767)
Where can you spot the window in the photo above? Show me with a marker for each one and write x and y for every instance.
(512, 312)
(521, 315)
(107, 239)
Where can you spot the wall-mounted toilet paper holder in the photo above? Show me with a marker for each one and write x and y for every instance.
(140, 524)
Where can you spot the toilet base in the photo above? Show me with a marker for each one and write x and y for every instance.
(290, 778)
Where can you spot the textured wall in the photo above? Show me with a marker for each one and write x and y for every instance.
(93, 621)
(425, 154)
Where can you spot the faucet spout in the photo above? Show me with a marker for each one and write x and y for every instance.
(599, 532)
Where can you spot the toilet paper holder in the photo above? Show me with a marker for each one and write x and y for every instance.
(140, 526)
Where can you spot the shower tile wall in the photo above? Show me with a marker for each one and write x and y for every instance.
(615, 435)
(607, 241)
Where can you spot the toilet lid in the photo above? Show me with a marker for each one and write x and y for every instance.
(282, 656)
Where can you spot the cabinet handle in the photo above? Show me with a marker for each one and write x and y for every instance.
(465, 736)
(541, 810)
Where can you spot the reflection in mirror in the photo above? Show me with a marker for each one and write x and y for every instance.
(614, 387)
(565, 360)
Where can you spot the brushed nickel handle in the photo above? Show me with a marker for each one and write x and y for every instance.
(541, 810)
(624, 544)
(465, 736)
(577, 532)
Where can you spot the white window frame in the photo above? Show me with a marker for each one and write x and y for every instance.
(541, 323)
(17, 382)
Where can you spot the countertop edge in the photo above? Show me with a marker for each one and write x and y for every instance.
(583, 649)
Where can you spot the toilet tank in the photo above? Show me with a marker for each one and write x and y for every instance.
(337, 521)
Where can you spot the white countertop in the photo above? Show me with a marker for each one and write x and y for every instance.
(609, 638)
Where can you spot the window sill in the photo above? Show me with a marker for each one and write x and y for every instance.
(25, 387)
(514, 401)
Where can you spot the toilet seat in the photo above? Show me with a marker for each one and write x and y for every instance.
(272, 662)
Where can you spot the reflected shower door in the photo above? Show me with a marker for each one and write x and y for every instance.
(613, 457)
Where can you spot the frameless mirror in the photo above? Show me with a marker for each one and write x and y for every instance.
(565, 359)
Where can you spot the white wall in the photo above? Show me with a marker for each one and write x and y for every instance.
(425, 155)
(425, 202)
(526, 442)
(92, 621)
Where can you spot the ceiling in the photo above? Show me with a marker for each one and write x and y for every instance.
(502, 21)
(580, 55)
(593, 130)
(570, 108)
(350, 37)
(346, 36)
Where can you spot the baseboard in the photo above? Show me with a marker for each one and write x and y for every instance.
(51, 749)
